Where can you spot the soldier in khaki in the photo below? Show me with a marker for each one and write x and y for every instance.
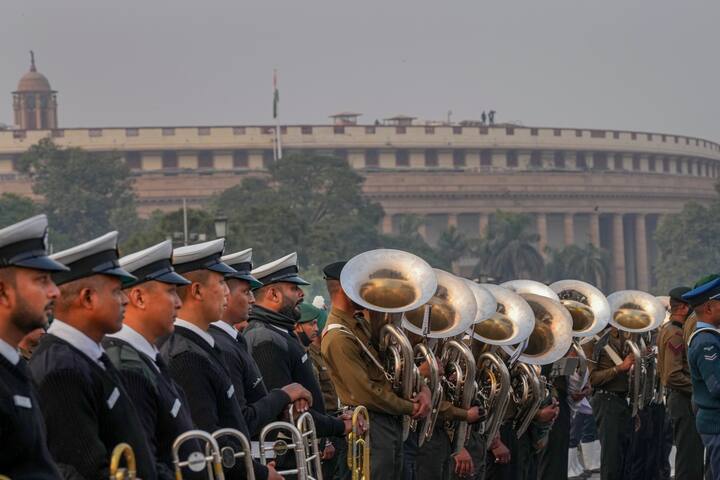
(610, 401)
(675, 376)
(352, 359)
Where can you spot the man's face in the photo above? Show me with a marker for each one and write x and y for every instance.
(109, 301)
(679, 309)
(310, 329)
(240, 301)
(215, 294)
(29, 295)
(710, 311)
(161, 305)
(291, 298)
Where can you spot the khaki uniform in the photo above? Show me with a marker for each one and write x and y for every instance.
(675, 376)
(358, 381)
(330, 397)
(610, 405)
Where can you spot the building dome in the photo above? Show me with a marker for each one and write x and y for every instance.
(33, 81)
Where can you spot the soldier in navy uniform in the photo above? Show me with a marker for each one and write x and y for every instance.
(259, 406)
(191, 353)
(87, 410)
(27, 294)
(149, 315)
(273, 343)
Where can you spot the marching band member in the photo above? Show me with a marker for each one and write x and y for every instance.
(86, 407)
(191, 353)
(259, 407)
(704, 361)
(675, 377)
(153, 303)
(27, 294)
(352, 360)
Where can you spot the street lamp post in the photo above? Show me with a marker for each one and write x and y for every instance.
(221, 222)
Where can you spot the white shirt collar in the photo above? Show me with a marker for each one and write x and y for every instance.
(9, 352)
(77, 339)
(226, 328)
(179, 322)
(137, 341)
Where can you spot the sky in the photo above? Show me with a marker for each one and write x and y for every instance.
(648, 65)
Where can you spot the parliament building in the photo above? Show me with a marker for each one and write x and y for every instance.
(605, 187)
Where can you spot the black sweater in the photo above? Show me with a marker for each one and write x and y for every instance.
(161, 404)
(283, 360)
(87, 411)
(198, 368)
(23, 446)
(259, 407)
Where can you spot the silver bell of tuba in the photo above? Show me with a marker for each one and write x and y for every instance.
(637, 313)
(389, 283)
(504, 318)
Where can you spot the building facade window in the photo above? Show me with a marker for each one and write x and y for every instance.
(95, 132)
(268, 159)
(578, 133)
(651, 164)
(306, 130)
(616, 135)
(678, 166)
(486, 158)
(509, 131)
(483, 130)
(401, 130)
(132, 132)
(402, 159)
(58, 133)
(339, 130)
(580, 161)
(203, 131)
(534, 132)
(240, 159)
(238, 130)
(666, 165)
(636, 162)
(458, 158)
(457, 130)
(168, 132)
(169, 160)
(133, 160)
(618, 161)
(511, 159)
(597, 134)
(559, 159)
(431, 158)
(429, 130)
(557, 132)
(600, 161)
(205, 159)
(370, 130)
(372, 158)
(536, 159)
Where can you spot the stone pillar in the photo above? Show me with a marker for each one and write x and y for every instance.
(452, 220)
(387, 224)
(641, 254)
(542, 232)
(38, 113)
(618, 277)
(595, 230)
(569, 225)
(483, 223)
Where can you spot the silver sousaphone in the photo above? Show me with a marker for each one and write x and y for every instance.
(389, 283)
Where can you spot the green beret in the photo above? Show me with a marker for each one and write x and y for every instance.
(308, 313)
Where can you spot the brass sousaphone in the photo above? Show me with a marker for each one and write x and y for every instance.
(636, 313)
(503, 318)
(449, 313)
(389, 283)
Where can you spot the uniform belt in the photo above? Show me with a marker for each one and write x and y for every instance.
(610, 392)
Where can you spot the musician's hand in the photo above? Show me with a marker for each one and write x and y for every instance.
(626, 363)
(348, 424)
(501, 452)
(272, 473)
(328, 452)
(474, 415)
(297, 392)
(547, 414)
(301, 406)
(463, 463)
(423, 403)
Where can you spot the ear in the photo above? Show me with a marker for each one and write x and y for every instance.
(87, 298)
(136, 296)
(5, 296)
(196, 291)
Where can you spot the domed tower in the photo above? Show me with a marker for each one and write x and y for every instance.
(34, 102)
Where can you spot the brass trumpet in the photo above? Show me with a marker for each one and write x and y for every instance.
(358, 457)
(123, 451)
(199, 460)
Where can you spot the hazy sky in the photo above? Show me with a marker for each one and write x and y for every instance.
(639, 64)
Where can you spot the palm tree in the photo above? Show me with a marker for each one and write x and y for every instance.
(452, 246)
(508, 250)
(589, 264)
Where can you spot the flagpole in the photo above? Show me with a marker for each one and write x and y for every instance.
(276, 114)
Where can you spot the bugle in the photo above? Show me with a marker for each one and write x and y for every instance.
(199, 460)
(358, 457)
(120, 452)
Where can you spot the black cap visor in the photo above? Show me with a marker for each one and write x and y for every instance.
(43, 263)
(254, 282)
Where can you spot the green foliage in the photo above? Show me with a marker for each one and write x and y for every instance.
(508, 251)
(160, 226)
(688, 245)
(409, 239)
(14, 208)
(309, 204)
(85, 194)
(589, 264)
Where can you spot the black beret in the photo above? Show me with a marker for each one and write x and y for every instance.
(677, 293)
(332, 271)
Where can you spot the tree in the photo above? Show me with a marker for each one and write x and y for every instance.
(688, 245)
(452, 245)
(408, 239)
(588, 263)
(162, 225)
(310, 204)
(85, 194)
(14, 208)
(508, 250)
